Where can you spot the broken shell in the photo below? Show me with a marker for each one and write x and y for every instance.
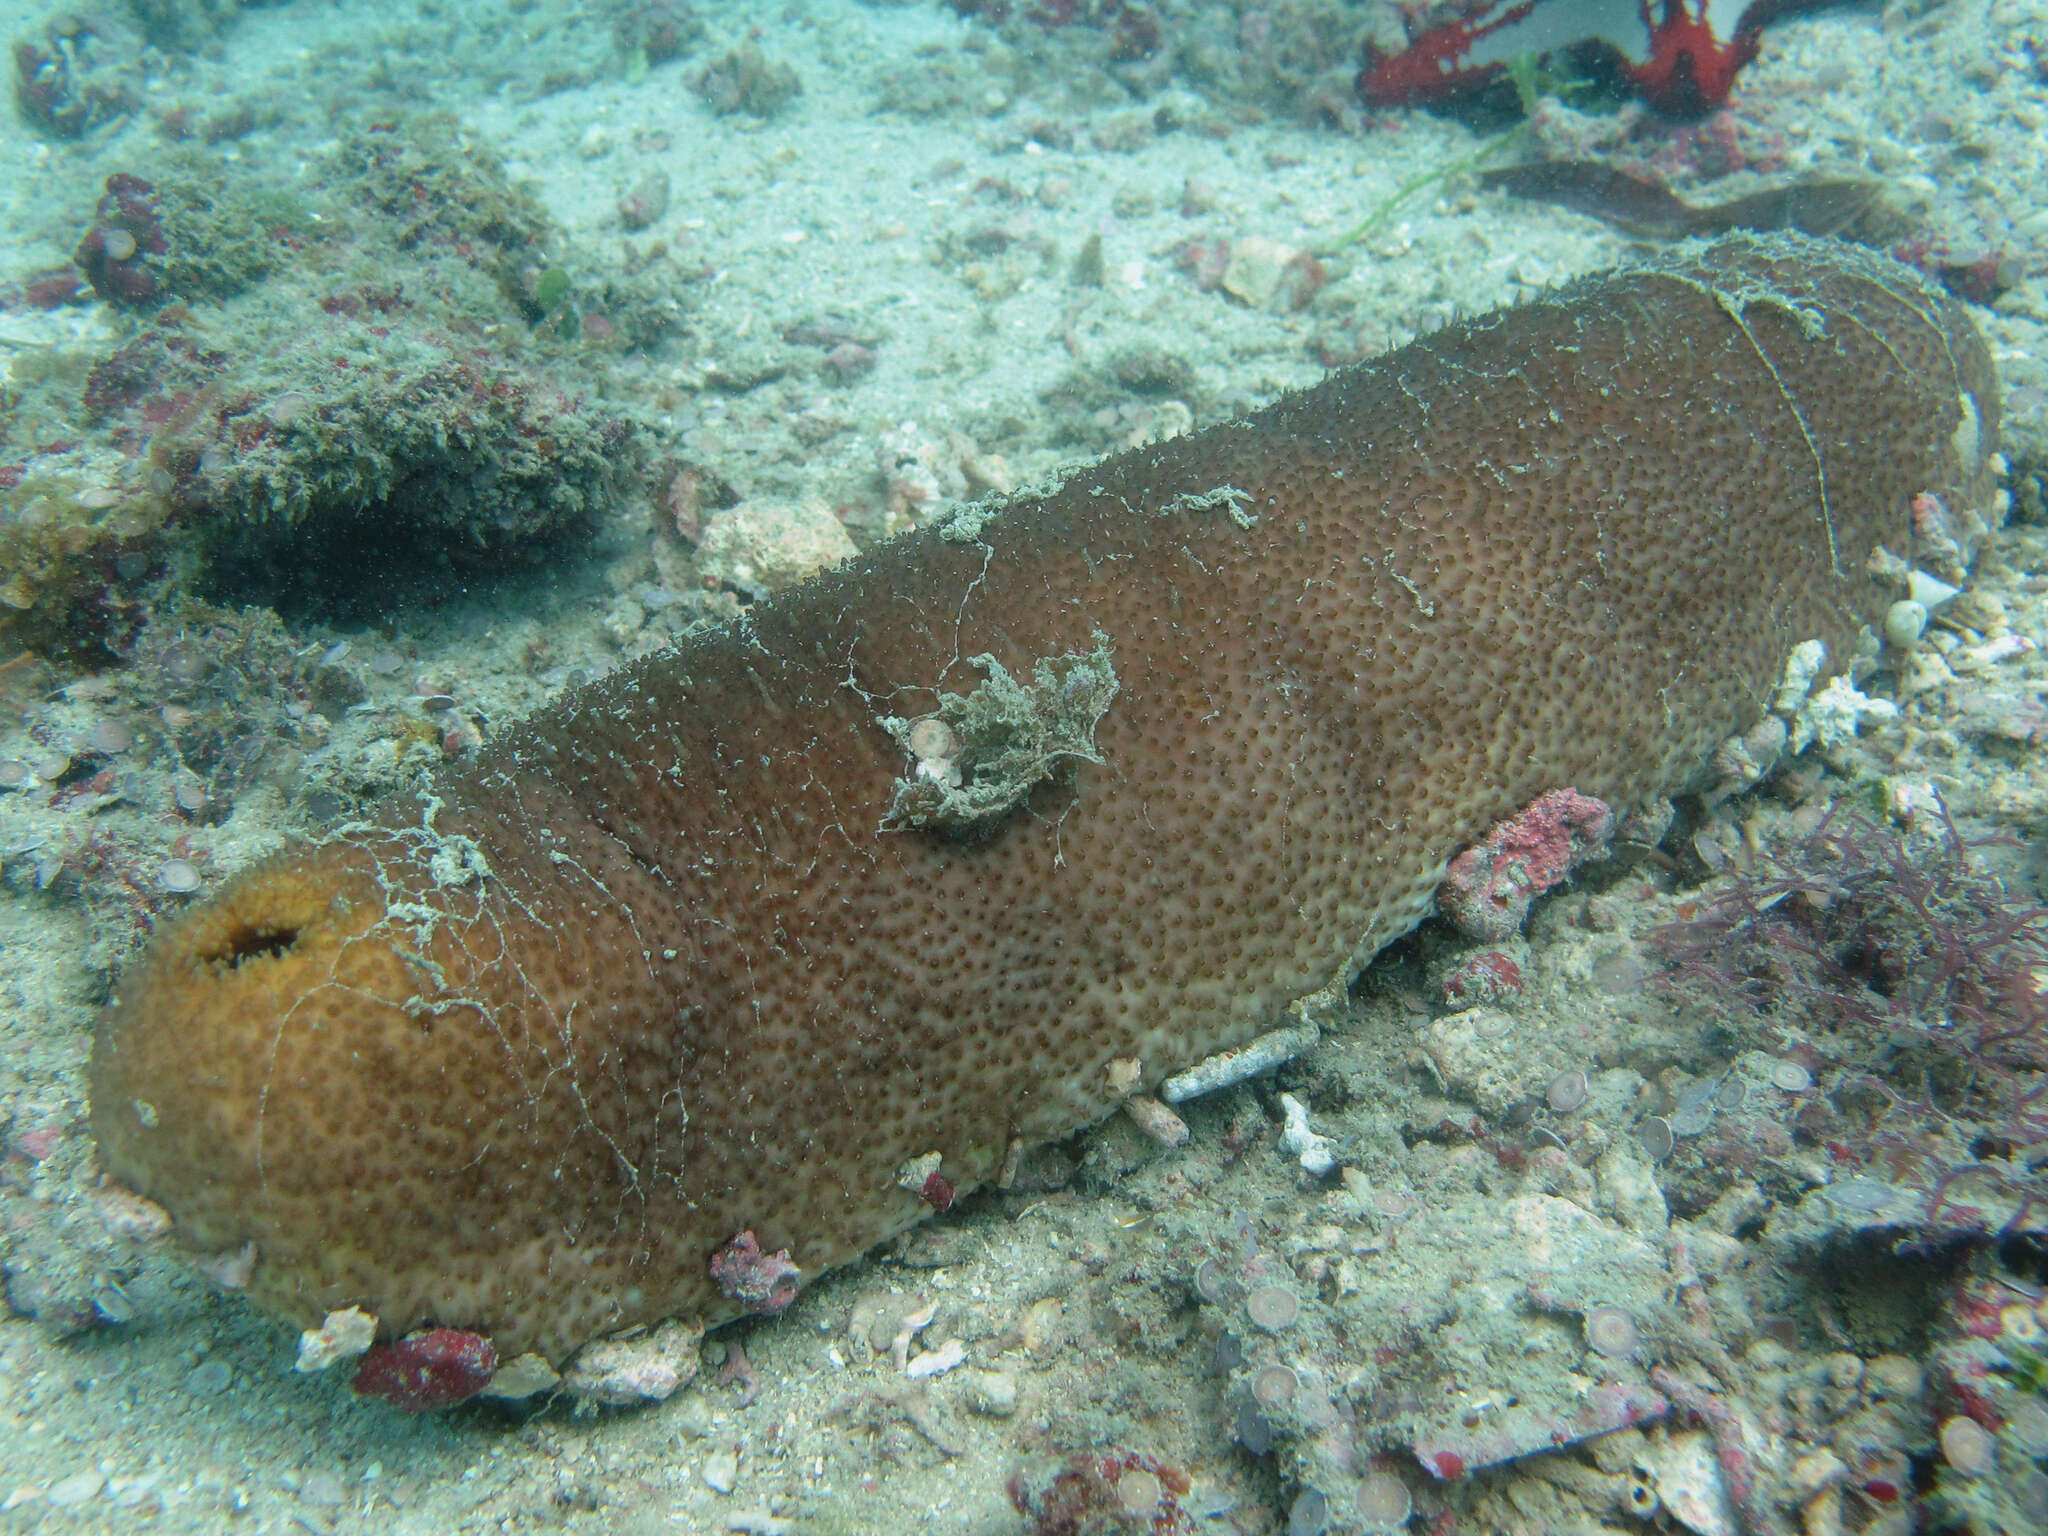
(1685, 1478)
(522, 1377)
(342, 1335)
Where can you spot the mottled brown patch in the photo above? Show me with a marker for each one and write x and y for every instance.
(699, 992)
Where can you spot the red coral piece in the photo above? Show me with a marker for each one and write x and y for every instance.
(1488, 887)
(759, 1282)
(436, 1368)
(1682, 56)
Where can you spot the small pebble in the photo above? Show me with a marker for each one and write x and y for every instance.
(1567, 1091)
(1656, 1138)
(2028, 1426)
(209, 1378)
(993, 1394)
(78, 1488)
(722, 1471)
(178, 876)
(1969, 1447)
(1902, 1380)
(1791, 1077)
(112, 1304)
(1273, 1307)
(1904, 623)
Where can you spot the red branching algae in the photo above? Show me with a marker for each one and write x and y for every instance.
(435, 1368)
(759, 1282)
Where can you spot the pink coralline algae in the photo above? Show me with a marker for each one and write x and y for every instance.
(435, 1368)
(1681, 56)
(1487, 890)
(759, 1282)
(1482, 979)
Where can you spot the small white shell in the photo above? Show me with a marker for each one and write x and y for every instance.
(1904, 623)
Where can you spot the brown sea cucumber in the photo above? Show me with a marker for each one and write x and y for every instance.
(917, 858)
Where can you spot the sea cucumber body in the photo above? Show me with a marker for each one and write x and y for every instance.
(655, 973)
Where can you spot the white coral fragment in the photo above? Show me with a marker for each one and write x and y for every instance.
(1835, 714)
(342, 1335)
(1315, 1152)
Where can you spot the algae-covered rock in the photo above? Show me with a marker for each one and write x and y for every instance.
(308, 410)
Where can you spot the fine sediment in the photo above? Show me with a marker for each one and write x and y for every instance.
(915, 858)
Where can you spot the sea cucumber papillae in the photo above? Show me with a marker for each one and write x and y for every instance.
(917, 858)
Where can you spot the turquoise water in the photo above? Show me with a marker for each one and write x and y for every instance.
(378, 373)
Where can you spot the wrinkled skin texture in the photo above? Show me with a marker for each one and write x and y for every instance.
(651, 974)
